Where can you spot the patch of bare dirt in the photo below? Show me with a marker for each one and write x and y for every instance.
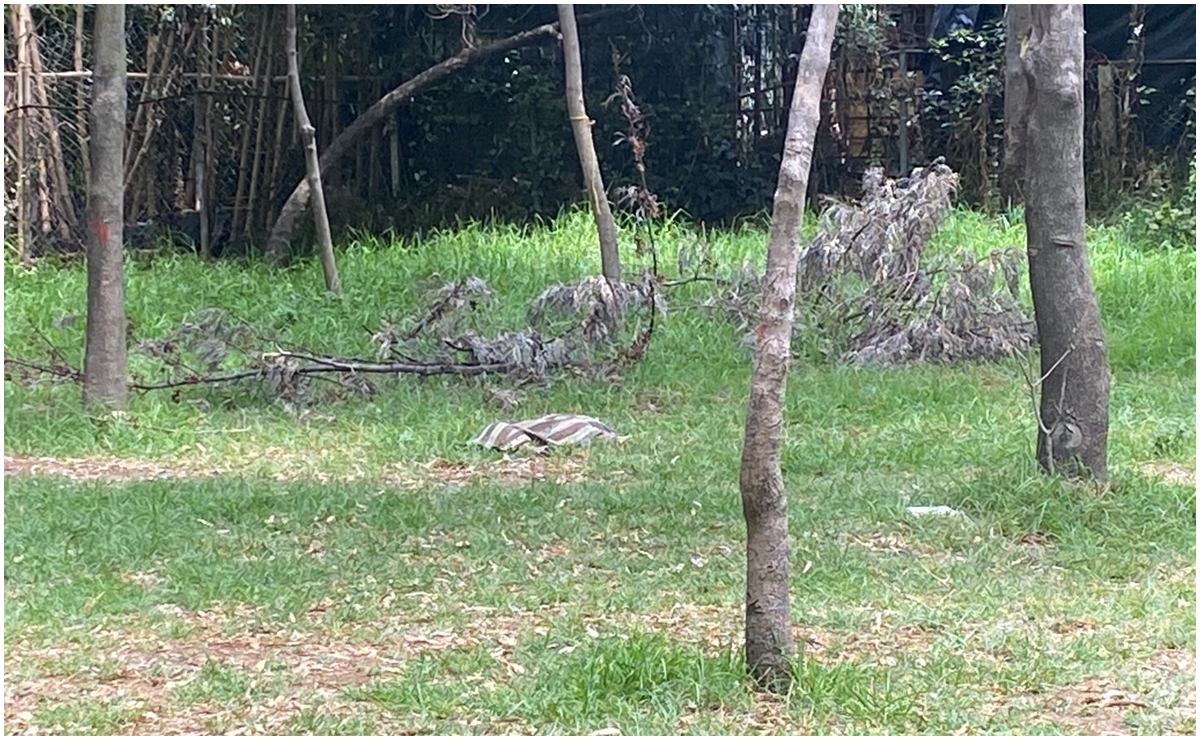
(1161, 688)
(890, 543)
(144, 671)
(1091, 707)
(874, 642)
(509, 470)
(1174, 473)
(107, 469)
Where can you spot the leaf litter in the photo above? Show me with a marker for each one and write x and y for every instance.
(507, 470)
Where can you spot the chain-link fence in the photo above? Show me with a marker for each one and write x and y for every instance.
(207, 121)
(45, 161)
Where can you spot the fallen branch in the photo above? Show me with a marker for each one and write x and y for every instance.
(332, 364)
(62, 370)
(210, 347)
(317, 364)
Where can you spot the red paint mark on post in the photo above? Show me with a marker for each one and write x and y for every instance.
(99, 228)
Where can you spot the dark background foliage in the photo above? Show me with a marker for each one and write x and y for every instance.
(492, 141)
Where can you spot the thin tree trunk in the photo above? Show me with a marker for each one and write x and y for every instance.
(394, 152)
(1073, 412)
(581, 127)
(769, 640)
(104, 359)
(297, 202)
(1016, 101)
(308, 135)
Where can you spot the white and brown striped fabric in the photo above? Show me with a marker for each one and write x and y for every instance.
(551, 430)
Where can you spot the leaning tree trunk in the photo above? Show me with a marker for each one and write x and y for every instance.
(308, 136)
(297, 203)
(1016, 102)
(1073, 411)
(769, 641)
(581, 126)
(104, 369)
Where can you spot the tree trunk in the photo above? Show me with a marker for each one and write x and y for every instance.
(308, 136)
(1016, 96)
(104, 372)
(1073, 412)
(769, 640)
(297, 202)
(581, 126)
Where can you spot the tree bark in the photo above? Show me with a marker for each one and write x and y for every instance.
(1016, 99)
(104, 359)
(769, 640)
(1073, 410)
(297, 203)
(308, 136)
(581, 127)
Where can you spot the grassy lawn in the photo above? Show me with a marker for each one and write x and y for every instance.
(216, 563)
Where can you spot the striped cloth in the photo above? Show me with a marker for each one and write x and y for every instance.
(551, 430)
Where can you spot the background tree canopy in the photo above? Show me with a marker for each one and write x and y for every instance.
(908, 84)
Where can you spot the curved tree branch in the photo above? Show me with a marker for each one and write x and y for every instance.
(297, 203)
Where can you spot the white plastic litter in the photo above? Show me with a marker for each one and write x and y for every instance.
(933, 511)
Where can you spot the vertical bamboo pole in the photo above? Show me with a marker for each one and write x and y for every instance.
(394, 143)
(277, 152)
(332, 71)
(264, 88)
(199, 137)
(22, 137)
(57, 171)
(164, 75)
(81, 127)
(210, 154)
(139, 116)
(904, 153)
(360, 148)
(376, 140)
(239, 209)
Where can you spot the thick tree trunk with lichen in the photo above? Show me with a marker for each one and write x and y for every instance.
(581, 127)
(1073, 409)
(769, 641)
(104, 358)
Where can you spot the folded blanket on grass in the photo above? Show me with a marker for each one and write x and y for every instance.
(551, 430)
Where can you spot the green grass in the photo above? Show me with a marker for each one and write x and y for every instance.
(272, 599)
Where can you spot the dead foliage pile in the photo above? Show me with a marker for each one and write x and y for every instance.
(868, 294)
(863, 277)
